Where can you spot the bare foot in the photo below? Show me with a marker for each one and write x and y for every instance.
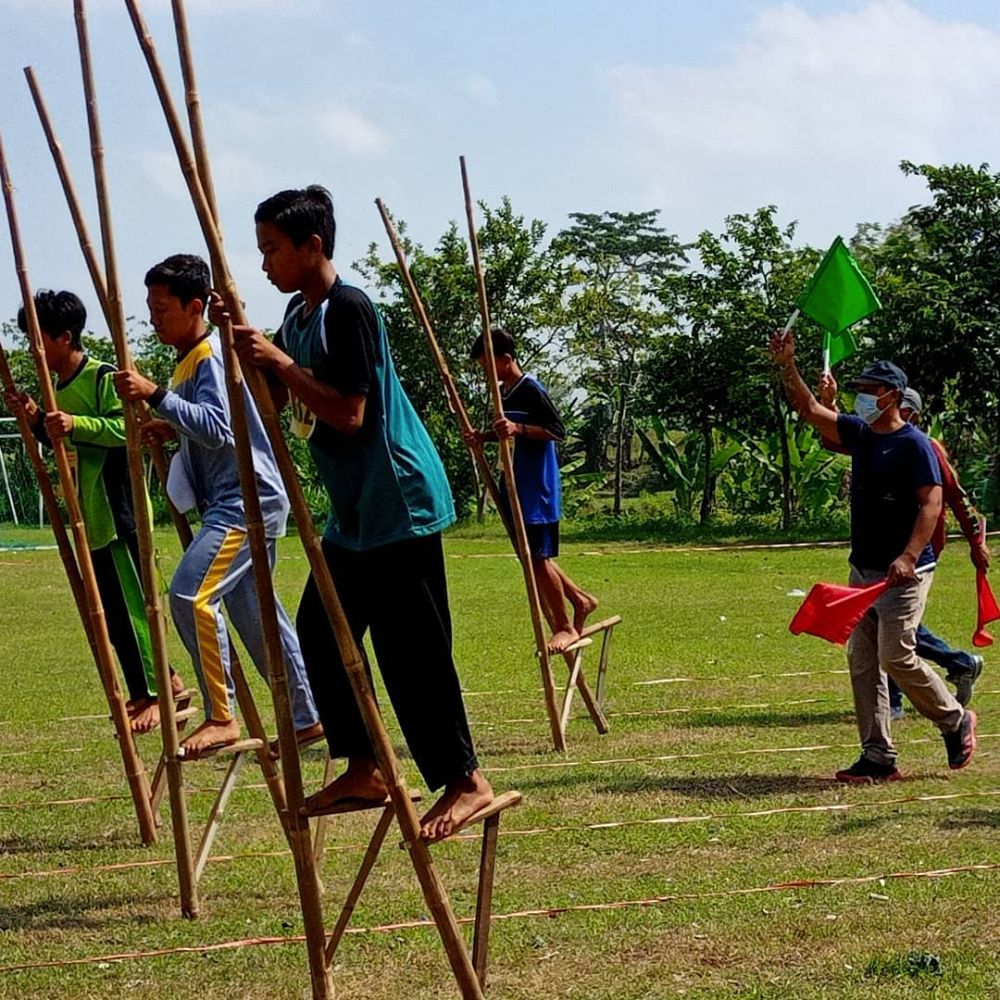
(146, 717)
(308, 735)
(362, 781)
(210, 735)
(583, 608)
(134, 705)
(461, 799)
(563, 638)
(176, 684)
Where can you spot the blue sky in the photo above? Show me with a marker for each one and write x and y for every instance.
(697, 109)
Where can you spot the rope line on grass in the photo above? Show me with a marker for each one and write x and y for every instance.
(550, 912)
(835, 807)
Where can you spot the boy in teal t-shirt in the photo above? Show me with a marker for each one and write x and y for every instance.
(389, 501)
(91, 420)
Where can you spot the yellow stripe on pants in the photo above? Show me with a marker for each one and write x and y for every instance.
(206, 627)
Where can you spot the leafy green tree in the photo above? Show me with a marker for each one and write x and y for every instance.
(619, 262)
(937, 273)
(711, 371)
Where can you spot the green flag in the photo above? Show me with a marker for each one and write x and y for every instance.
(837, 296)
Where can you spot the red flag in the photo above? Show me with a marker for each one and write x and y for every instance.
(987, 610)
(832, 612)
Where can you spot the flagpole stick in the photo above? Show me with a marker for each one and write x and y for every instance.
(134, 772)
(455, 402)
(143, 515)
(507, 459)
(181, 525)
(433, 890)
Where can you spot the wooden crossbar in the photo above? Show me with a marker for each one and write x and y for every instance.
(577, 682)
(489, 816)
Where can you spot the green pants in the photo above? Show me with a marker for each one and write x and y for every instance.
(116, 567)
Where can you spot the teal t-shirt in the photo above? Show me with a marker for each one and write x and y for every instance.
(386, 482)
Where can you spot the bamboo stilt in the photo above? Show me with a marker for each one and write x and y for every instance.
(433, 890)
(137, 477)
(96, 273)
(507, 458)
(134, 771)
(181, 525)
(51, 504)
(297, 826)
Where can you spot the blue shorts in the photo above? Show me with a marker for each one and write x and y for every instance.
(543, 540)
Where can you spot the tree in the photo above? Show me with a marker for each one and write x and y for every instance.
(938, 276)
(711, 372)
(619, 261)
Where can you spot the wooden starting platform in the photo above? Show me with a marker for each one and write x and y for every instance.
(489, 816)
(573, 655)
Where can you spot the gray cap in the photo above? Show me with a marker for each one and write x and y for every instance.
(911, 401)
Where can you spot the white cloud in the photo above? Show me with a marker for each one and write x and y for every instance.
(351, 131)
(814, 112)
(482, 89)
(161, 169)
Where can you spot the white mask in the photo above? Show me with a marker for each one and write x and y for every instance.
(866, 406)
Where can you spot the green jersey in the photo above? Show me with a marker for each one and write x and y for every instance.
(97, 451)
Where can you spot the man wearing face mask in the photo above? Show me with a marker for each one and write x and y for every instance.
(895, 505)
(963, 669)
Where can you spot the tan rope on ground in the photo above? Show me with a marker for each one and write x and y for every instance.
(554, 911)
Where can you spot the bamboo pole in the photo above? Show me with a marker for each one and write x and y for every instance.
(507, 458)
(134, 771)
(298, 823)
(455, 402)
(51, 503)
(144, 525)
(181, 525)
(430, 882)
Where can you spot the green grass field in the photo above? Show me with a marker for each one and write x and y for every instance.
(747, 719)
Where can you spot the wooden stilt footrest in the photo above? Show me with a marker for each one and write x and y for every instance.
(580, 643)
(589, 630)
(505, 800)
(342, 806)
(240, 746)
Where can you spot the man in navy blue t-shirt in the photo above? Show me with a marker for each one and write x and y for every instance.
(531, 419)
(895, 504)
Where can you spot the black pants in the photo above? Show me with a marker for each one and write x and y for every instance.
(121, 628)
(400, 593)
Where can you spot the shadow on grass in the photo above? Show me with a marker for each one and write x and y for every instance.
(726, 787)
(59, 912)
(988, 819)
(40, 844)
(735, 719)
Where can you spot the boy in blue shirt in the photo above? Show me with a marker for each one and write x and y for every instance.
(530, 417)
(389, 501)
(216, 567)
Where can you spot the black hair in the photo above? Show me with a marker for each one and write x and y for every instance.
(185, 276)
(58, 313)
(301, 213)
(503, 343)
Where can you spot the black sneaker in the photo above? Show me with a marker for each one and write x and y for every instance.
(964, 682)
(866, 772)
(961, 744)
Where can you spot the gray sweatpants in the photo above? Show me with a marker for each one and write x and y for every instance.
(885, 643)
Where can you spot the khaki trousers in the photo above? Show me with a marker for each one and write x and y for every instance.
(884, 642)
